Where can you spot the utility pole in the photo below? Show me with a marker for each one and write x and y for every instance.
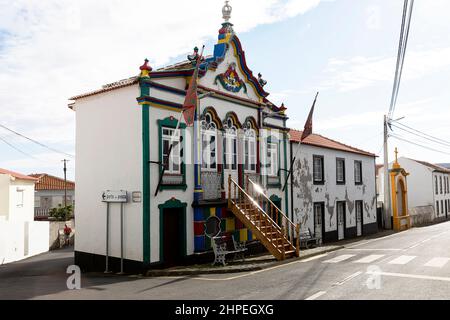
(65, 181)
(387, 189)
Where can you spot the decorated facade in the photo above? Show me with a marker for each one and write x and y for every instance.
(124, 133)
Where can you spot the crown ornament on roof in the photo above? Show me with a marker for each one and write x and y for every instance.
(145, 69)
(226, 11)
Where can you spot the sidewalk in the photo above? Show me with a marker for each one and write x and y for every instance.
(258, 262)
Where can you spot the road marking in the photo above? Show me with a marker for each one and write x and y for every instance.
(412, 276)
(339, 258)
(372, 240)
(378, 249)
(314, 258)
(370, 258)
(263, 270)
(316, 295)
(350, 277)
(402, 260)
(437, 262)
(424, 241)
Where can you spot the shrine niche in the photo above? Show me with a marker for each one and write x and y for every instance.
(230, 80)
(400, 214)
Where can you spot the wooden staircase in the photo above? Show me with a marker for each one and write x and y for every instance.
(265, 220)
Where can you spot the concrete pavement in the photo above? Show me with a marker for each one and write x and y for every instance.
(413, 264)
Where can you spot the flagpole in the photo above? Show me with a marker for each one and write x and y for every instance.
(296, 152)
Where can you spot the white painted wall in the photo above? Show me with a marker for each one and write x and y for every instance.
(109, 156)
(306, 193)
(20, 240)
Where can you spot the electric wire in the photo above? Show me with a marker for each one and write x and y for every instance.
(421, 134)
(36, 142)
(395, 136)
(16, 148)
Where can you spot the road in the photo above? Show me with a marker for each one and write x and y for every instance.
(413, 264)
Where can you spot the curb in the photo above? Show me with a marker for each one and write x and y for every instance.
(163, 273)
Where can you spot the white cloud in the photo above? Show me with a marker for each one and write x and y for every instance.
(361, 72)
(51, 50)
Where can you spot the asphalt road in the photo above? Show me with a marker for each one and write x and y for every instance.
(413, 264)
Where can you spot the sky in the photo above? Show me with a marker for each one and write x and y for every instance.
(345, 49)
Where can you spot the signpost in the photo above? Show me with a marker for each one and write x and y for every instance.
(119, 196)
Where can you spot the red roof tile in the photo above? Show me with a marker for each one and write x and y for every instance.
(48, 182)
(17, 175)
(321, 141)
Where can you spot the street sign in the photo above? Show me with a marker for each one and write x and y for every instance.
(114, 196)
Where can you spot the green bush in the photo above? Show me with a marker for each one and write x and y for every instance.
(61, 213)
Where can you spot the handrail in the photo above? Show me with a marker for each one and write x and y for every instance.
(270, 201)
(252, 200)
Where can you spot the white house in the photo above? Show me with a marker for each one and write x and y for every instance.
(428, 189)
(20, 235)
(334, 193)
(50, 192)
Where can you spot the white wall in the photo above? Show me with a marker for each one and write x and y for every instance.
(20, 240)
(109, 156)
(306, 193)
(4, 195)
(24, 212)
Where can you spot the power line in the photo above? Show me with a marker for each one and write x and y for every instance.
(36, 142)
(404, 35)
(419, 145)
(421, 134)
(17, 149)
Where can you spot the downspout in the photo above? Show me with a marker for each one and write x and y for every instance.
(292, 180)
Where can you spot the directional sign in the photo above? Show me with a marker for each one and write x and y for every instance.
(114, 196)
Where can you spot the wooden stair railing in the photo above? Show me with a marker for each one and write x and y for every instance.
(261, 215)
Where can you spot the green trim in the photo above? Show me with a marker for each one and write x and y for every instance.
(146, 184)
(171, 204)
(277, 201)
(171, 122)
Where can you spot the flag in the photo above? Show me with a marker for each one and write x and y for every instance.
(308, 125)
(191, 99)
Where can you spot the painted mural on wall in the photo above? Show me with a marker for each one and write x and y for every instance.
(230, 80)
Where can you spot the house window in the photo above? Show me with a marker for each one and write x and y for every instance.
(272, 159)
(340, 171)
(436, 185)
(318, 210)
(318, 169)
(173, 165)
(358, 172)
(20, 198)
(437, 207)
(440, 183)
(171, 162)
(209, 143)
(230, 150)
(250, 150)
(442, 206)
(37, 202)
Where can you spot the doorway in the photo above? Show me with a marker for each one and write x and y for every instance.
(340, 217)
(359, 218)
(319, 211)
(172, 233)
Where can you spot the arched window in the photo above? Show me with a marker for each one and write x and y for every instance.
(249, 147)
(230, 144)
(209, 143)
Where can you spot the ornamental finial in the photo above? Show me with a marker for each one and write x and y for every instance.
(145, 69)
(226, 11)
